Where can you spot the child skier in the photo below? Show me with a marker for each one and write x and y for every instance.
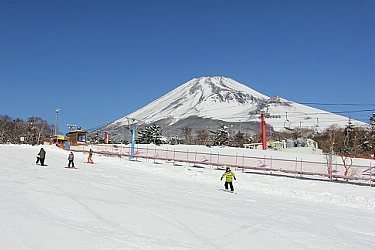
(89, 159)
(229, 175)
(71, 160)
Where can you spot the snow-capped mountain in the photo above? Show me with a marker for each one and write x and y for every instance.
(206, 99)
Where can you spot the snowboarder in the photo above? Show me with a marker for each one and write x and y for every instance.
(41, 156)
(89, 159)
(229, 176)
(71, 159)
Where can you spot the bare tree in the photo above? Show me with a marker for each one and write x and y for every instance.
(330, 156)
(34, 131)
(186, 135)
(202, 137)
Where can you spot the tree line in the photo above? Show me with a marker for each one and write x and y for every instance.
(348, 141)
(33, 131)
(220, 137)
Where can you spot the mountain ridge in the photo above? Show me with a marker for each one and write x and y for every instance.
(224, 100)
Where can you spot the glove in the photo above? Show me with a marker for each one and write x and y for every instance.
(235, 179)
(221, 178)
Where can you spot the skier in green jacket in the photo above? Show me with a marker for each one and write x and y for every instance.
(229, 176)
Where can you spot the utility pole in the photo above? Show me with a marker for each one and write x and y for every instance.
(57, 120)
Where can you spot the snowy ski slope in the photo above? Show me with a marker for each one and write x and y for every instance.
(119, 204)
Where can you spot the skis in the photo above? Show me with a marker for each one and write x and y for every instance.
(71, 167)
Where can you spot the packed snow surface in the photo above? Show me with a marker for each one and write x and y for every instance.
(121, 204)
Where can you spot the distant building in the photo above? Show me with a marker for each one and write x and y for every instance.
(58, 140)
(77, 137)
(300, 145)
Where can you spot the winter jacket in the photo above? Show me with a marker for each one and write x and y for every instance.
(228, 176)
(42, 154)
(71, 157)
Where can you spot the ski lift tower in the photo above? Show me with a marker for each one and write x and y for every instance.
(264, 113)
(263, 116)
(133, 126)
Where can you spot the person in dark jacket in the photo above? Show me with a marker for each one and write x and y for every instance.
(229, 176)
(41, 157)
(71, 160)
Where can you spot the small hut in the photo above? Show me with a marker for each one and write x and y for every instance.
(77, 137)
(58, 140)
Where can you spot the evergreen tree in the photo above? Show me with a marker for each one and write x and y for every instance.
(150, 134)
(221, 136)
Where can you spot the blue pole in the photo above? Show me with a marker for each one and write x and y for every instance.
(132, 143)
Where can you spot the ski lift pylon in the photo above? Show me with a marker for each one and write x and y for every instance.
(287, 123)
(318, 131)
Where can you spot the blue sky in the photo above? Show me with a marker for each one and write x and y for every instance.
(101, 60)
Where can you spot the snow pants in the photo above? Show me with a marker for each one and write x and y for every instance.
(230, 184)
(89, 159)
(41, 161)
(71, 162)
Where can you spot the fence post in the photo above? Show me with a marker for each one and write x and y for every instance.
(236, 158)
(174, 156)
(264, 160)
(301, 175)
(155, 155)
(295, 169)
(336, 169)
(271, 162)
(187, 157)
(147, 153)
(195, 157)
(166, 155)
(211, 159)
(243, 162)
(370, 175)
(264, 164)
(331, 171)
(218, 158)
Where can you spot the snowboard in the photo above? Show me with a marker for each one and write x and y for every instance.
(229, 191)
(38, 164)
(71, 167)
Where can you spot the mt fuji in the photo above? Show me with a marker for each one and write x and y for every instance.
(203, 101)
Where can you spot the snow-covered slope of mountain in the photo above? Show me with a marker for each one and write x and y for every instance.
(221, 98)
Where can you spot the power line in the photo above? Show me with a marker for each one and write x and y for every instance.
(338, 104)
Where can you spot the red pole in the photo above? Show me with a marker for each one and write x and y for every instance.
(264, 135)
